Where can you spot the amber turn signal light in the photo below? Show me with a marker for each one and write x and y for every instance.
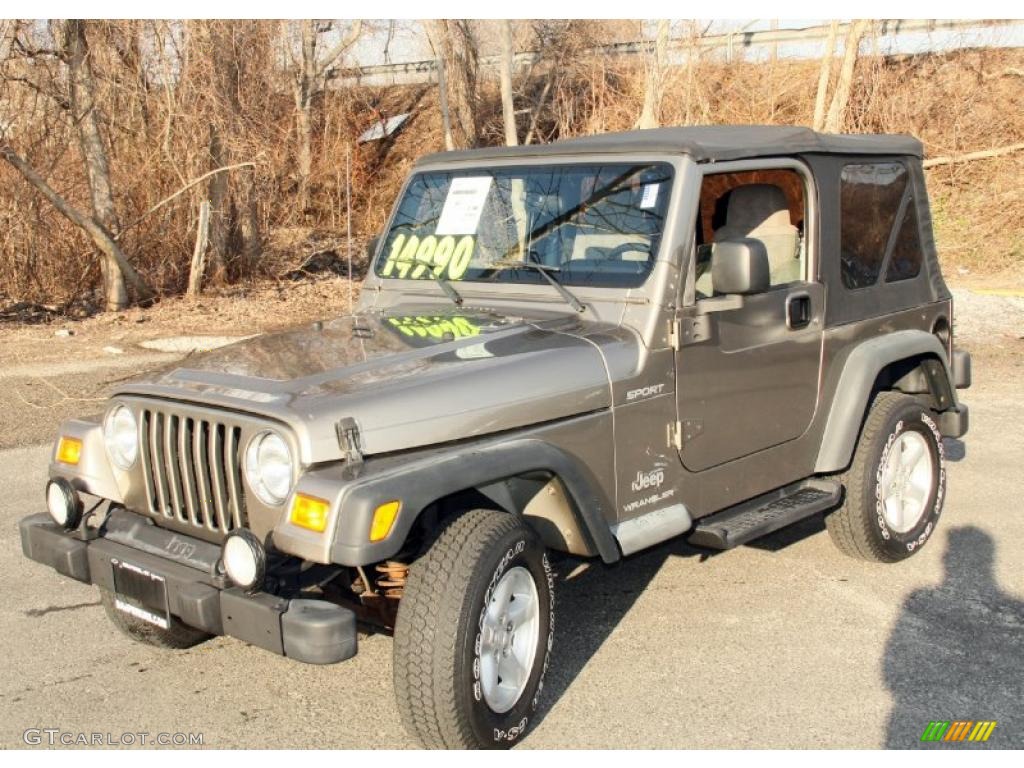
(69, 450)
(383, 518)
(309, 512)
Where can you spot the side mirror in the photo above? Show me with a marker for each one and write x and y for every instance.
(371, 247)
(739, 267)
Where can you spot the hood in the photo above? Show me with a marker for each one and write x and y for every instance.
(409, 377)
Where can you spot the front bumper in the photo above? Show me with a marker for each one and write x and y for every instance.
(311, 631)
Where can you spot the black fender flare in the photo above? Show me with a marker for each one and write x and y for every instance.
(424, 479)
(859, 373)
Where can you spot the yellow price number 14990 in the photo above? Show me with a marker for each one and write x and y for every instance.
(412, 256)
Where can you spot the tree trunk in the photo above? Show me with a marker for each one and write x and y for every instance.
(456, 48)
(442, 95)
(655, 78)
(218, 193)
(195, 275)
(507, 105)
(824, 76)
(837, 111)
(94, 155)
(304, 111)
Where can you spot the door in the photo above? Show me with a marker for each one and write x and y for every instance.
(748, 365)
(747, 378)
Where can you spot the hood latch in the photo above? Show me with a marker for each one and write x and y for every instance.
(348, 440)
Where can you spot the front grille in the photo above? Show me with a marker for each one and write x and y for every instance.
(192, 471)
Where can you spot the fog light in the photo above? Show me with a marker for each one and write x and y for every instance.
(69, 450)
(244, 560)
(383, 518)
(63, 503)
(309, 512)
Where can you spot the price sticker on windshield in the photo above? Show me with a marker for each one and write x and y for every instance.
(412, 256)
(464, 205)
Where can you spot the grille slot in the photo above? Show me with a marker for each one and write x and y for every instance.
(192, 471)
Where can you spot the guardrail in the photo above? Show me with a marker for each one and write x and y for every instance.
(425, 71)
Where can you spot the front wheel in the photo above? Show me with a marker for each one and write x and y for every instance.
(895, 486)
(473, 634)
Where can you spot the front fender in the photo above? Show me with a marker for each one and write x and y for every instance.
(421, 481)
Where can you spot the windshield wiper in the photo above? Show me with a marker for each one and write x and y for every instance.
(545, 272)
(448, 288)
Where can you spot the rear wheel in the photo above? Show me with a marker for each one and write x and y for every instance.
(895, 486)
(179, 635)
(473, 634)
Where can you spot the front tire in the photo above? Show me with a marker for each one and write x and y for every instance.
(896, 485)
(474, 633)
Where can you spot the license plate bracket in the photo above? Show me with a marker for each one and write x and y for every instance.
(141, 593)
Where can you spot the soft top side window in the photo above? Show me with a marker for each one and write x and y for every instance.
(906, 257)
(870, 201)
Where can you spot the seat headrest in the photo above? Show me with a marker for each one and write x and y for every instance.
(757, 207)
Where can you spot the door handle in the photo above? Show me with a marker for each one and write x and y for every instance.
(798, 310)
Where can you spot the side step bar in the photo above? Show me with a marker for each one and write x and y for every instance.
(765, 514)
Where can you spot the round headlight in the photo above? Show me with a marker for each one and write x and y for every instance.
(63, 503)
(244, 559)
(268, 466)
(121, 435)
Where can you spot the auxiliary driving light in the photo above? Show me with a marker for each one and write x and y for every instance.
(244, 559)
(63, 503)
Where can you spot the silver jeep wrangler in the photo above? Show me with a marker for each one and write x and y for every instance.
(587, 347)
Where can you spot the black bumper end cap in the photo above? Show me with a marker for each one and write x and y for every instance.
(318, 632)
(45, 542)
(955, 423)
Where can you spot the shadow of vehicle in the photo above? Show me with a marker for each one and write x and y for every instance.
(957, 652)
(592, 600)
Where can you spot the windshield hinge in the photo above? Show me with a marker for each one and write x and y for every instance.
(673, 333)
(682, 432)
(348, 440)
(675, 435)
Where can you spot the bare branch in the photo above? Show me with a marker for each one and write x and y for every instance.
(343, 45)
(181, 191)
(983, 154)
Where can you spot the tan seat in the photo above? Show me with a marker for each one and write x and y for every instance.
(760, 211)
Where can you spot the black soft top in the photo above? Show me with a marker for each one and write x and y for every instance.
(707, 143)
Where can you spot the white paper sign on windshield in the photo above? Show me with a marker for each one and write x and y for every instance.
(463, 206)
(650, 196)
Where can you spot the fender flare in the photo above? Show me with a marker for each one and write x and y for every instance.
(850, 402)
(425, 479)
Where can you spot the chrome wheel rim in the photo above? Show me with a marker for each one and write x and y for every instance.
(508, 639)
(906, 482)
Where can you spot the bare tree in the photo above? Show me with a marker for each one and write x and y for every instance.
(309, 79)
(508, 112)
(841, 97)
(85, 114)
(655, 78)
(824, 76)
(456, 45)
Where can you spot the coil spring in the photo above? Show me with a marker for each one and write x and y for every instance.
(393, 576)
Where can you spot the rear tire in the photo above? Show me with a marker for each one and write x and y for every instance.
(473, 634)
(180, 635)
(896, 485)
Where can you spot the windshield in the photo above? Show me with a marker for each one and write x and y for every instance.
(595, 224)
